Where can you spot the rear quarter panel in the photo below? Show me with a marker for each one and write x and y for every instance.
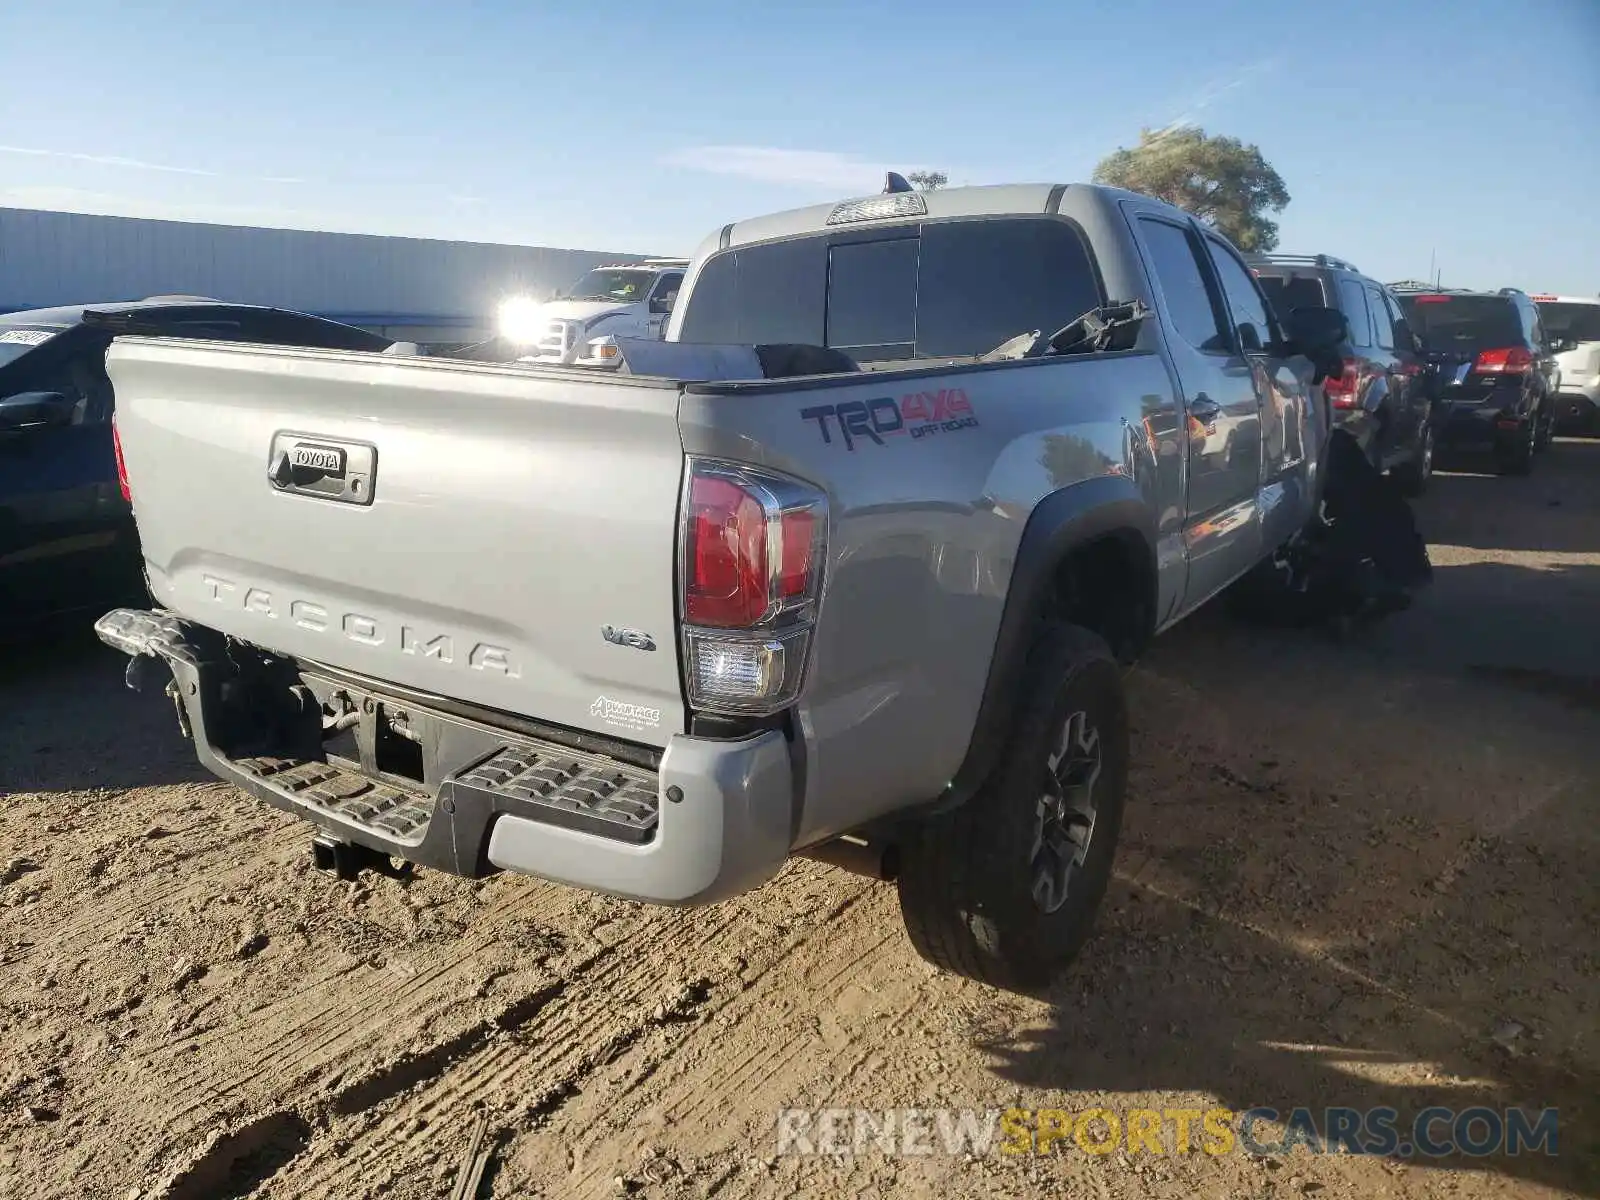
(927, 512)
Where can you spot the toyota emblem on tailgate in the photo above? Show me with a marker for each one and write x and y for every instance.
(330, 469)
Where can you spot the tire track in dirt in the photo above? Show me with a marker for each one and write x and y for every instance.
(684, 970)
(831, 1022)
(200, 871)
(336, 1031)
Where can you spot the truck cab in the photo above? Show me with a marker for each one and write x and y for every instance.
(622, 299)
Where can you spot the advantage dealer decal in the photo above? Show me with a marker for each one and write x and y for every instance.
(920, 414)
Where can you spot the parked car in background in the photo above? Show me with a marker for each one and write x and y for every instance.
(67, 539)
(625, 300)
(1496, 376)
(1572, 323)
(1382, 397)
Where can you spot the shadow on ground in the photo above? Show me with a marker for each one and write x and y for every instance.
(70, 724)
(1471, 506)
(1400, 911)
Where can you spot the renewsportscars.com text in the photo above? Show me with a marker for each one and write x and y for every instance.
(1433, 1132)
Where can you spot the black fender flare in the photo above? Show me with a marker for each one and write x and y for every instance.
(1065, 520)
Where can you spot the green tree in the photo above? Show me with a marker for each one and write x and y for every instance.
(928, 181)
(1218, 179)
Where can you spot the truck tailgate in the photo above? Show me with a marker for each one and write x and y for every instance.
(462, 529)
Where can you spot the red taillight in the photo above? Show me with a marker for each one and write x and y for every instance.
(122, 467)
(1431, 299)
(1514, 360)
(749, 552)
(727, 584)
(753, 552)
(798, 531)
(1341, 390)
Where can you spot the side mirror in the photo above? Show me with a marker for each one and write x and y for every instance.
(665, 303)
(23, 410)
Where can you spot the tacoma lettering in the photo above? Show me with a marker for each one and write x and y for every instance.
(359, 628)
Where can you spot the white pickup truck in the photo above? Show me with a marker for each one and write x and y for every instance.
(631, 300)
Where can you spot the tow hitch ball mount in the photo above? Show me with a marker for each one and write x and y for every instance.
(347, 860)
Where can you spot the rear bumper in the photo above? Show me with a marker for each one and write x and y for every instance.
(707, 820)
(1458, 425)
(1578, 401)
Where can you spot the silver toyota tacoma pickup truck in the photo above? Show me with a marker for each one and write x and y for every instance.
(652, 635)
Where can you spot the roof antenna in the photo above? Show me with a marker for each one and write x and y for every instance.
(896, 182)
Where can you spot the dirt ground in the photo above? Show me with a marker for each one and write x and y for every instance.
(1358, 875)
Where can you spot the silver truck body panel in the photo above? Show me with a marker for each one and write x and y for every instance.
(514, 513)
(728, 834)
(924, 534)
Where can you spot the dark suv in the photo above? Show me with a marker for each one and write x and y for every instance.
(67, 539)
(1381, 397)
(1494, 374)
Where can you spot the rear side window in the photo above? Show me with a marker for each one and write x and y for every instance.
(1530, 322)
(1395, 317)
(944, 289)
(1353, 300)
(1382, 323)
(1175, 262)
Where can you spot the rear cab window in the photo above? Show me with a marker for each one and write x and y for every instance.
(938, 289)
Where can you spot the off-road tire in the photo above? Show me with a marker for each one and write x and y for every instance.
(967, 877)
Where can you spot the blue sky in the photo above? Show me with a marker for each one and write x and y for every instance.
(1403, 128)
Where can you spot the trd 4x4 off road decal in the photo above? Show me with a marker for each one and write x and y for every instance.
(919, 414)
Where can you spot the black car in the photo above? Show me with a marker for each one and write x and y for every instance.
(1381, 397)
(67, 540)
(1494, 374)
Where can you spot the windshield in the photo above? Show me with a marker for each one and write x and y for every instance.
(623, 286)
(1298, 291)
(1463, 322)
(1571, 322)
(17, 340)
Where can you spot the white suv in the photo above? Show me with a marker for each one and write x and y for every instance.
(1572, 323)
(626, 300)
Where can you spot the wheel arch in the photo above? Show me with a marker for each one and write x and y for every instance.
(1087, 556)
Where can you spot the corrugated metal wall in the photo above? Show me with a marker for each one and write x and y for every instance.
(68, 258)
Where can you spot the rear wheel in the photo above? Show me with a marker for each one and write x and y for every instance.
(1415, 474)
(1004, 889)
(1547, 425)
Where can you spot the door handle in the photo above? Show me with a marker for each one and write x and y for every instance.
(1204, 408)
